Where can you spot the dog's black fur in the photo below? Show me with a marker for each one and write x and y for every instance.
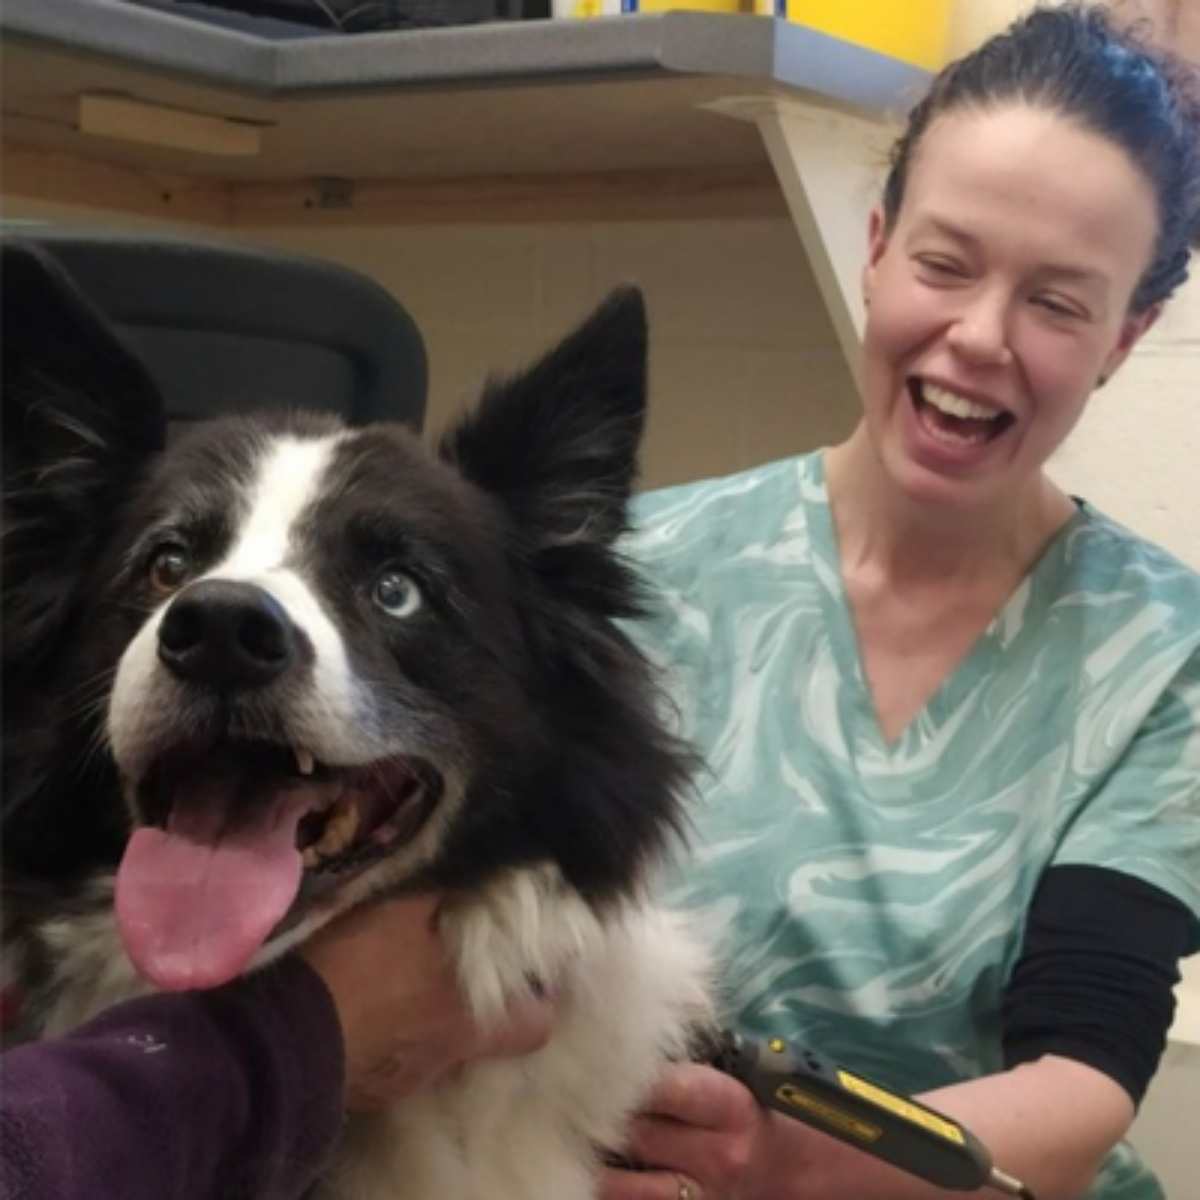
(81, 416)
(510, 526)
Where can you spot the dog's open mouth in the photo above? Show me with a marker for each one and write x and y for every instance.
(235, 833)
(351, 815)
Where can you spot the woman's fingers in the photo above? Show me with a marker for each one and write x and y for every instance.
(717, 1157)
(700, 1134)
(648, 1185)
(701, 1096)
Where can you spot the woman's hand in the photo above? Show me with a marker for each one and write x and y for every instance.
(404, 1022)
(702, 1136)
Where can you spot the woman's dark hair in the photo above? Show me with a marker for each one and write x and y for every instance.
(1075, 60)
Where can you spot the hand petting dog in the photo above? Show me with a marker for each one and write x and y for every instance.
(405, 1023)
(700, 1136)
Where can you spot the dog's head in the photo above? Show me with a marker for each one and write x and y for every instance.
(332, 662)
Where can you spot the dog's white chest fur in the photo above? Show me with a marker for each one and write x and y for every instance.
(634, 987)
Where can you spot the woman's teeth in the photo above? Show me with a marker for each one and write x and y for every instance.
(955, 405)
(954, 420)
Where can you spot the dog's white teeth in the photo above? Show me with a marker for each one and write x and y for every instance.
(305, 763)
(310, 858)
(339, 830)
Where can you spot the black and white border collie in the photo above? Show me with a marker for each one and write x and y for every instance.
(282, 666)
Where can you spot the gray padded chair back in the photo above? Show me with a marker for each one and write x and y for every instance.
(225, 329)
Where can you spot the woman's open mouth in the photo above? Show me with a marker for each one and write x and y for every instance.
(955, 420)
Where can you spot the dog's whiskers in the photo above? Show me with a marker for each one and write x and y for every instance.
(100, 683)
(97, 743)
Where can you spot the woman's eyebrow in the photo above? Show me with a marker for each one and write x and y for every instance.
(945, 227)
(1073, 274)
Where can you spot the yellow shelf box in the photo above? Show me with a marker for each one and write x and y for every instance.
(914, 31)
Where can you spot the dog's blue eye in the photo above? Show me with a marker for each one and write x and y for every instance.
(397, 594)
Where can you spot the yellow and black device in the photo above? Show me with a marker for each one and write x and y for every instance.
(802, 1084)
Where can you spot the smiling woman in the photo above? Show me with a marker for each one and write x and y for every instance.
(949, 712)
(997, 297)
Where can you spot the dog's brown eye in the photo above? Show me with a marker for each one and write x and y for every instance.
(170, 568)
(396, 594)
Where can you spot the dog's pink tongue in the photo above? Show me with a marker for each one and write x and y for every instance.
(195, 901)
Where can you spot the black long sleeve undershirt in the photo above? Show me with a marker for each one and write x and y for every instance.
(1094, 981)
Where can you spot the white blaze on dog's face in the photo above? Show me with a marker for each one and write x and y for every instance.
(286, 483)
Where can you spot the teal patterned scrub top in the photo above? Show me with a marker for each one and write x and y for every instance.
(870, 898)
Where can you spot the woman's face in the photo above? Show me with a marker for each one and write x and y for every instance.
(999, 298)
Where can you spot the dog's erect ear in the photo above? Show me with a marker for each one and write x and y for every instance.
(81, 415)
(71, 386)
(558, 443)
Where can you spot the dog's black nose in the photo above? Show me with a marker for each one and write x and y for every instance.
(227, 635)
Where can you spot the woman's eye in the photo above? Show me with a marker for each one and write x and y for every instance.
(170, 568)
(1057, 307)
(396, 594)
(942, 267)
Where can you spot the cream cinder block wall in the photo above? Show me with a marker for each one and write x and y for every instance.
(1136, 451)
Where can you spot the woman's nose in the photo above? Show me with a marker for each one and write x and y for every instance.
(979, 332)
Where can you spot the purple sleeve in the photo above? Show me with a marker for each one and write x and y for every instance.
(231, 1093)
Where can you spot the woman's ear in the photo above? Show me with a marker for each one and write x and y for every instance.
(1132, 329)
(877, 239)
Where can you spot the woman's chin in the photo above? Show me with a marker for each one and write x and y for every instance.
(933, 486)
